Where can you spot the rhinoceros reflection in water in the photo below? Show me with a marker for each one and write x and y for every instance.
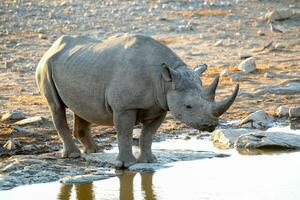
(123, 81)
(126, 178)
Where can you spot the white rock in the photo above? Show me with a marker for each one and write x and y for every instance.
(268, 139)
(244, 55)
(248, 65)
(268, 75)
(279, 46)
(282, 111)
(281, 14)
(11, 144)
(259, 119)
(13, 115)
(294, 112)
(31, 121)
(225, 138)
(42, 36)
(224, 73)
(218, 43)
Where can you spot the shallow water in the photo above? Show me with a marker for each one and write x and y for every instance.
(267, 176)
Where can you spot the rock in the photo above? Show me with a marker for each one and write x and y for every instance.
(34, 121)
(80, 179)
(147, 167)
(218, 43)
(259, 119)
(236, 77)
(276, 140)
(23, 69)
(260, 33)
(8, 64)
(222, 34)
(294, 112)
(12, 116)
(42, 36)
(282, 111)
(294, 123)
(268, 75)
(288, 87)
(224, 73)
(279, 46)
(225, 138)
(248, 65)
(11, 145)
(27, 132)
(277, 15)
(244, 55)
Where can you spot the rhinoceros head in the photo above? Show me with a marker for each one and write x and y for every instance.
(191, 103)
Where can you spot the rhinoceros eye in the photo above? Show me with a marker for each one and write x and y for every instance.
(188, 106)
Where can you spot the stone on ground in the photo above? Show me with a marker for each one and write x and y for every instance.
(248, 65)
(259, 119)
(12, 116)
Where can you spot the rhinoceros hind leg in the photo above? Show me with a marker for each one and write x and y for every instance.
(124, 122)
(82, 132)
(58, 112)
(148, 130)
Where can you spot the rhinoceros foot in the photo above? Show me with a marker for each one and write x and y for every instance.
(125, 161)
(147, 158)
(71, 153)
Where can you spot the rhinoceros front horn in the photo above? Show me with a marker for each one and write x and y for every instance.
(220, 107)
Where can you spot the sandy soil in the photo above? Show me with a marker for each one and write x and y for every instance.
(190, 28)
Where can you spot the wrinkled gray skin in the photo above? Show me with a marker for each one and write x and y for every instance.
(123, 81)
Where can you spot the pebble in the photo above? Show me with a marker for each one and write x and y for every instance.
(282, 111)
(268, 75)
(236, 77)
(11, 145)
(8, 64)
(222, 34)
(243, 55)
(294, 112)
(12, 116)
(260, 33)
(279, 46)
(248, 65)
(42, 36)
(224, 73)
(218, 43)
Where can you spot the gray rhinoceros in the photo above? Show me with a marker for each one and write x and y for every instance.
(123, 81)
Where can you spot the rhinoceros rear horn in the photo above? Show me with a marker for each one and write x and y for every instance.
(221, 107)
(209, 92)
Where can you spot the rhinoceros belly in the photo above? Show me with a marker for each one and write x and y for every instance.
(82, 88)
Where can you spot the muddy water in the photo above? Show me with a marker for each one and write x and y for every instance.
(267, 176)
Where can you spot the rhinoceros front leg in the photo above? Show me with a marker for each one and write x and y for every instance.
(82, 132)
(148, 130)
(124, 122)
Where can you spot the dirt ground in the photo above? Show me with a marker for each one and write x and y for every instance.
(212, 32)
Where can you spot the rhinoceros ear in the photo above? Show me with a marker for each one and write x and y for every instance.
(200, 69)
(168, 73)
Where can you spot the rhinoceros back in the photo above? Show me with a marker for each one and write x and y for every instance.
(94, 78)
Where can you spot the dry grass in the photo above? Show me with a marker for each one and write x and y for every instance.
(202, 13)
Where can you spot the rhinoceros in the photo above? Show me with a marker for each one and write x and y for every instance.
(123, 81)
